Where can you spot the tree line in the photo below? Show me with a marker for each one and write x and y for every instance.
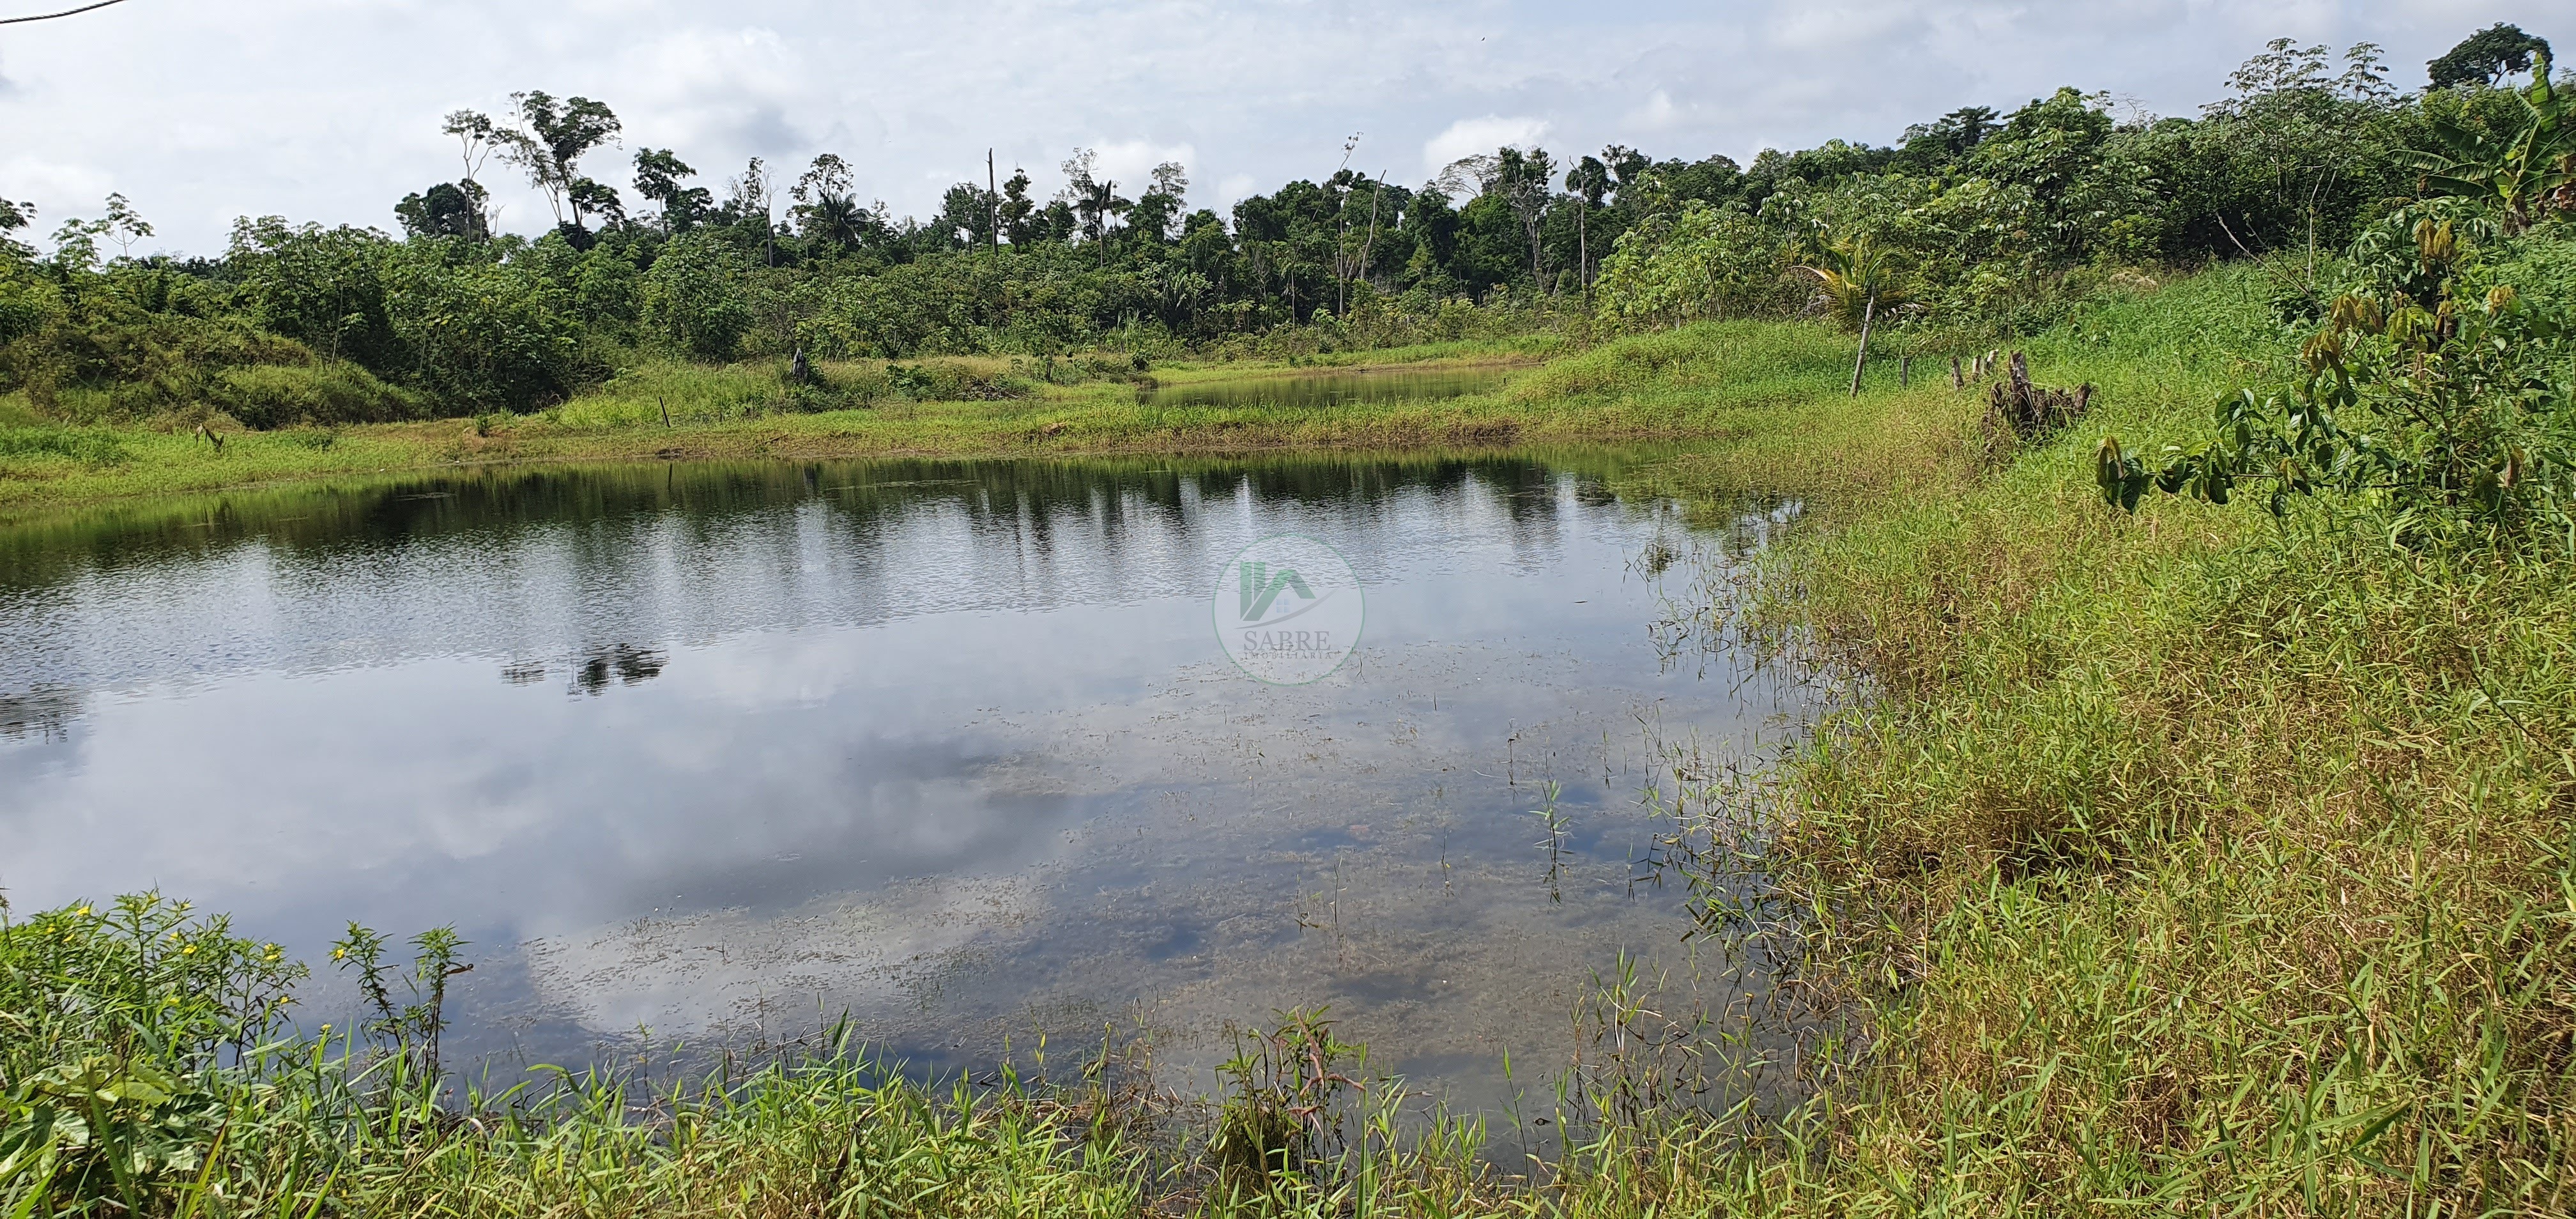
(1977, 220)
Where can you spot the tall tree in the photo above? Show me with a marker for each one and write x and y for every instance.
(1018, 211)
(1590, 182)
(1095, 202)
(549, 142)
(966, 215)
(752, 200)
(444, 210)
(1947, 140)
(125, 226)
(2487, 57)
(658, 177)
(827, 207)
(476, 138)
(1523, 180)
(2304, 137)
(1157, 213)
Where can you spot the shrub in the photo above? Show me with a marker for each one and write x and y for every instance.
(325, 287)
(277, 396)
(484, 336)
(693, 298)
(946, 382)
(1704, 263)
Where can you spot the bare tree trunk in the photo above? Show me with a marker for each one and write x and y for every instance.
(1342, 249)
(1369, 246)
(1538, 274)
(1583, 247)
(1868, 314)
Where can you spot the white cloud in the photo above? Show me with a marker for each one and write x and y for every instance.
(1130, 163)
(63, 186)
(1658, 114)
(1468, 137)
(1233, 189)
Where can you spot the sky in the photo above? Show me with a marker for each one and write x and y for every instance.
(199, 111)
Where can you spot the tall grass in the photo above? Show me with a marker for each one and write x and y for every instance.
(2188, 861)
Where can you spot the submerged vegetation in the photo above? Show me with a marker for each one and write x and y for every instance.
(2210, 850)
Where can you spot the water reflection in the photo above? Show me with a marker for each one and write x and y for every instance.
(42, 711)
(628, 666)
(949, 745)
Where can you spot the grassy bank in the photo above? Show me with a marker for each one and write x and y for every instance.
(2187, 861)
(2183, 862)
(745, 412)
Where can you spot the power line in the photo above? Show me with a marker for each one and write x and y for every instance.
(69, 12)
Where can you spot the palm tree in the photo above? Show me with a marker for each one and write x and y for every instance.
(836, 219)
(1856, 279)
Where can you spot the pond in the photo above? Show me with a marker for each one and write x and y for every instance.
(711, 753)
(1336, 388)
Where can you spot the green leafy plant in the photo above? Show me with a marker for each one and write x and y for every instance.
(113, 1023)
(105, 1127)
(408, 1032)
(1281, 1111)
(2437, 401)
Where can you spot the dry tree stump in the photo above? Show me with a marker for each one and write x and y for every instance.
(2019, 412)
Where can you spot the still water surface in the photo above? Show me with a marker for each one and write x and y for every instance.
(708, 752)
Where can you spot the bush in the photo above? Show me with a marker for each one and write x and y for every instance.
(276, 396)
(1704, 263)
(2434, 392)
(947, 382)
(327, 288)
(694, 300)
(483, 336)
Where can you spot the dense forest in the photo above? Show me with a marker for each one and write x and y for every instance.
(1976, 222)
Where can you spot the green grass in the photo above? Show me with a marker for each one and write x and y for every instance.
(735, 412)
(2178, 863)
(2185, 861)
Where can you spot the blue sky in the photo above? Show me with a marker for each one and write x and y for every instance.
(200, 111)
